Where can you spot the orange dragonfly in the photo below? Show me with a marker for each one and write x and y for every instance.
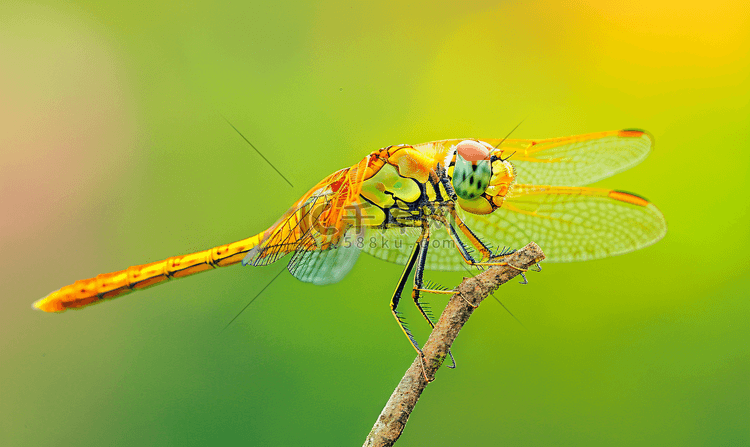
(448, 199)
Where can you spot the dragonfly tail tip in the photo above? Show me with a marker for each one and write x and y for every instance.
(49, 303)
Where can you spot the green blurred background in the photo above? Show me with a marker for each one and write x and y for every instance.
(115, 152)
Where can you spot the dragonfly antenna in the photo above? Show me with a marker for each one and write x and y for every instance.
(508, 157)
(509, 312)
(251, 301)
(506, 137)
(500, 302)
(256, 150)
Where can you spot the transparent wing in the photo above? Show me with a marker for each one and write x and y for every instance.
(396, 244)
(326, 266)
(297, 230)
(392, 245)
(571, 223)
(316, 221)
(575, 161)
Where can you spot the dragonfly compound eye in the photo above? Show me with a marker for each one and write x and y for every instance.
(472, 172)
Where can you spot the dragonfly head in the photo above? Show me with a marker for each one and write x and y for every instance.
(480, 177)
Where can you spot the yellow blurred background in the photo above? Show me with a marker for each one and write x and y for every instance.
(114, 152)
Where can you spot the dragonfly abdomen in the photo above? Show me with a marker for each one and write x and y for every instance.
(110, 285)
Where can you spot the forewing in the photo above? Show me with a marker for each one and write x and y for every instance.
(578, 160)
(574, 161)
(317, 221)
(571, 223)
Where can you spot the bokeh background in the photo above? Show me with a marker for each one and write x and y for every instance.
(115, 152)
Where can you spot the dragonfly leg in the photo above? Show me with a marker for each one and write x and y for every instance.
(475, 240)
(424, 244)
(397, 297)
(525, 281)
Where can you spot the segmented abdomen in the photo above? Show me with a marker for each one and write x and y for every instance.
(109, 285)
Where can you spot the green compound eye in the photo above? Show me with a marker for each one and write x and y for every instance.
(470, 180)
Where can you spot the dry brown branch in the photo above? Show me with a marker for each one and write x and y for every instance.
(392, 419)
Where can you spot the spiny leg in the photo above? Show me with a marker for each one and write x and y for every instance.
(501, 254)
(424, 245)
(476, 242)
(460, 246)
(470, 260)
(397, 296)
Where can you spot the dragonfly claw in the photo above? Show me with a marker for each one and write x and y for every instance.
(453, 366)
(424, 369)
(525, 281)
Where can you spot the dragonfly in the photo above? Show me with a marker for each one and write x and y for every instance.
(433, 206)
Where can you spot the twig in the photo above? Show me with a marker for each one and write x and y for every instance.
(392, 419)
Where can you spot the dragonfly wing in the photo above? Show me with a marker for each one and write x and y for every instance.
(571, 223)
(392, 245)
(316, 221)
(396, 245)
(576, 161)
(322, 267)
